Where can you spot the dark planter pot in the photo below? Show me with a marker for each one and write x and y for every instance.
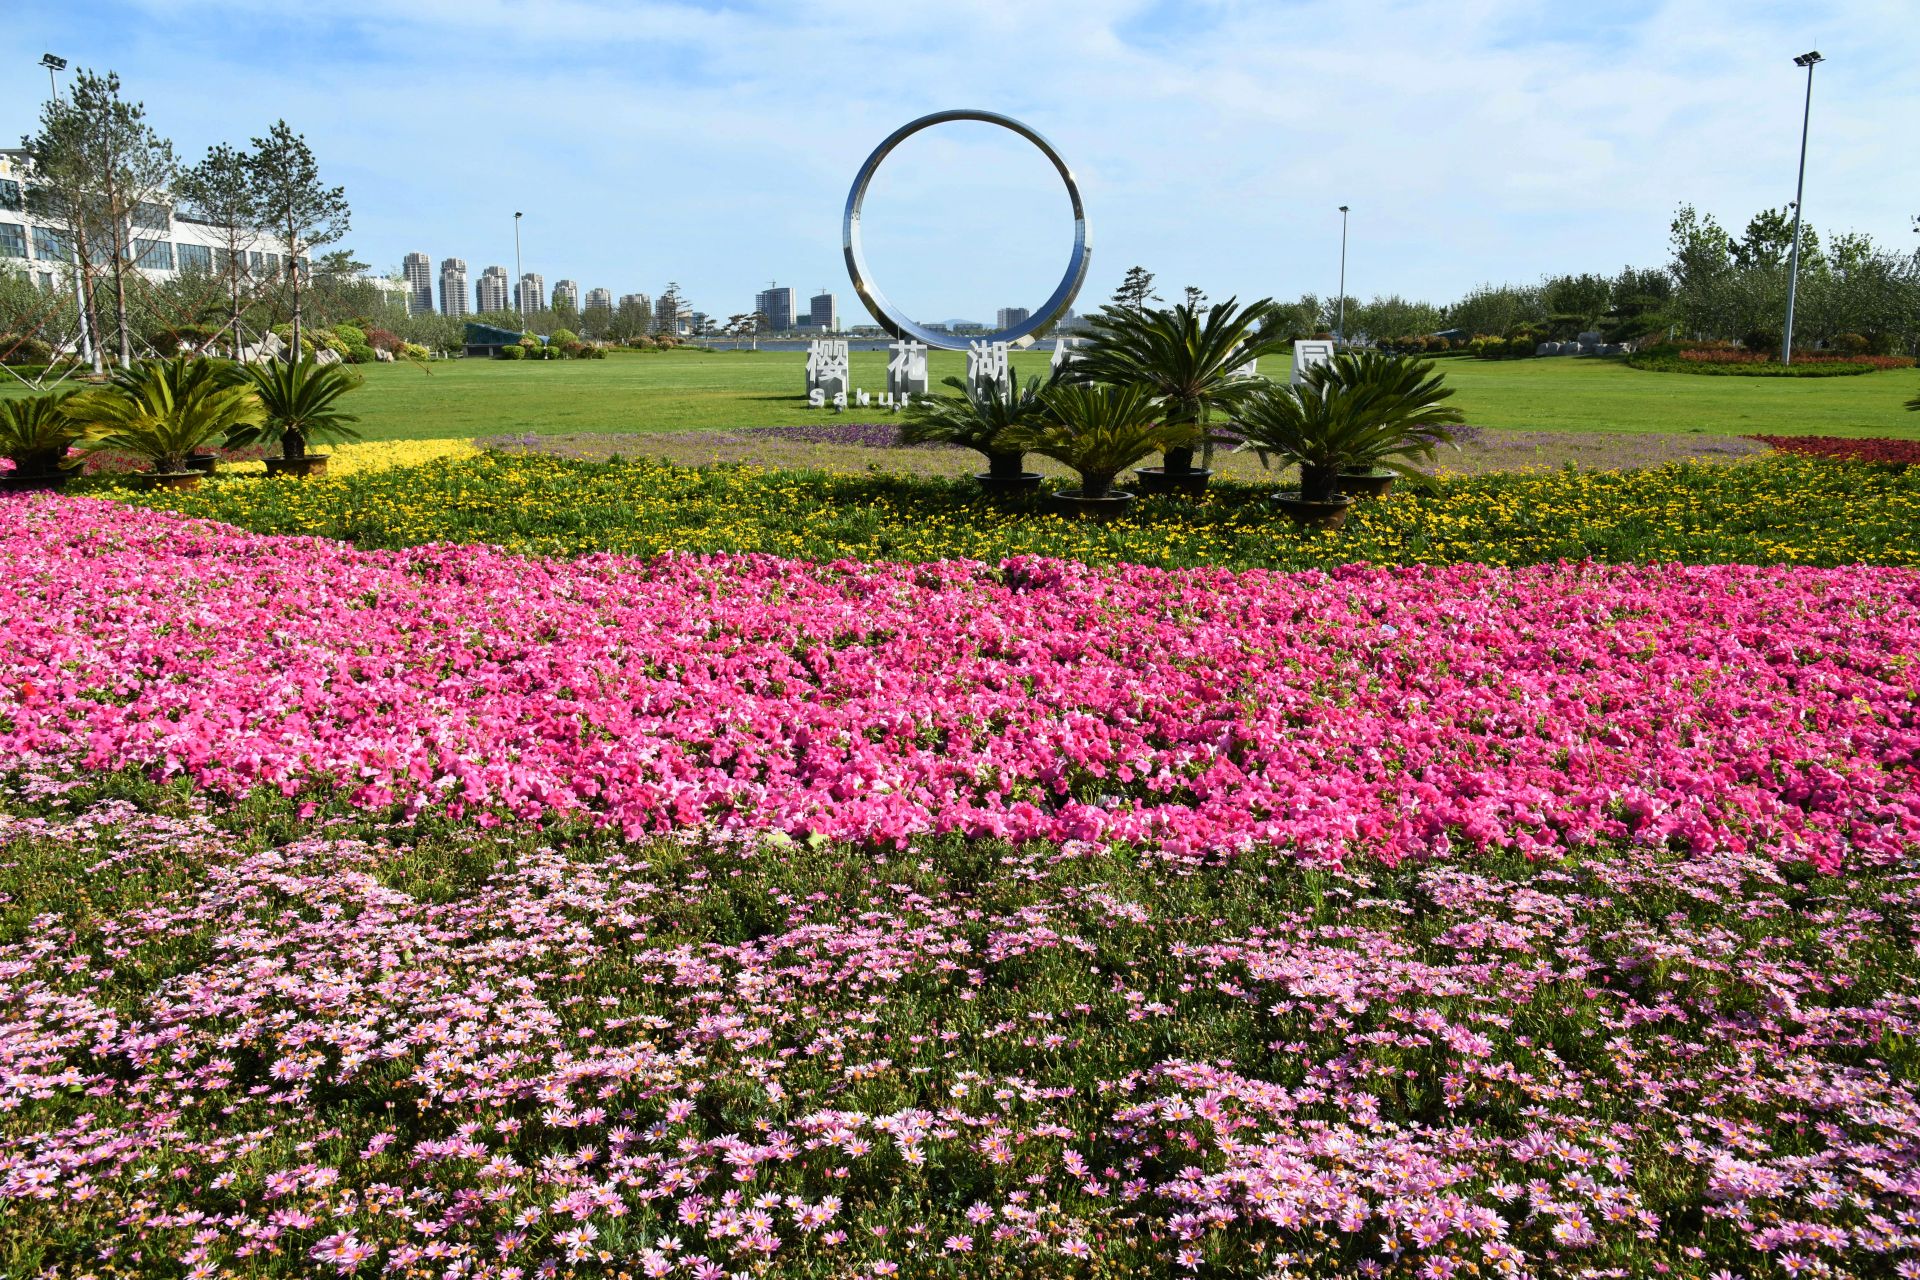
(33, 482)
(1366, 484)
(171, 480)
(1068, 502)
(203, 463)
(1025, 482)
(313, 464)
(1159, 480)
(1309, 514)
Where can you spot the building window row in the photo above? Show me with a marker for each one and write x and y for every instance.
(13, 240)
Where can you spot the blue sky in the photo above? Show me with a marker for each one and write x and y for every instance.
(713, 144)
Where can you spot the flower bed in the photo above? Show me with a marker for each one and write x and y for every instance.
(1379, 711)
(1777, 509)
(1843, 449)
(256, 1045)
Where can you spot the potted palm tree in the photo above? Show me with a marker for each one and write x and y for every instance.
(1358, 412)
(165, 410)
(301, 408)
(983, 418)
(1099, 431)
(35, 435)
(1190, 358)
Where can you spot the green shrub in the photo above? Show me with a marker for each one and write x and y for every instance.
(514, 352)
(562, 338)
(16, 349)
(361, 353)
(351, 335)
(1849, 344)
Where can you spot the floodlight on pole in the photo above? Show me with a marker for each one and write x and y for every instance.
(1807, 60)
(519, 281)
(1340, 325)
(53, 63)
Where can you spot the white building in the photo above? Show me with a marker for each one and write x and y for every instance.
(1007, 317)
(490, 290)
(166, 243)
(453, 286)
(417, 268)
(566, 293)
(599, 298)
(530, 294)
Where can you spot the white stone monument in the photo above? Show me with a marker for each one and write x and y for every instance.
(989, 365)
(1308, 352)
(906, 370)
(827, 369)
(1064, 354)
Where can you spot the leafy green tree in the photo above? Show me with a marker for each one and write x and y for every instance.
(219, 193)
(303, 212)
(1136, 290)
(101, 174)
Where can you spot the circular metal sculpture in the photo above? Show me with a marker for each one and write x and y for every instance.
(902, 327)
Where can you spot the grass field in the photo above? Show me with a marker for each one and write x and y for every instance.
(694, 390)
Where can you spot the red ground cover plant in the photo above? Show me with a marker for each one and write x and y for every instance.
(1842, 449)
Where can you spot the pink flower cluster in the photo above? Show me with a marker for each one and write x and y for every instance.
(1397, 712)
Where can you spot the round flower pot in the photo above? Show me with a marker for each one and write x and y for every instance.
(1068, 502)
(1025, 482)
(1314, 515)
(171, 480)
(313, 464)
(15, 482)
(202, 462)
(1366, 484)
(1158, 480)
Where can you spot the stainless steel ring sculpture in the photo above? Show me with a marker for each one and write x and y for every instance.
(902, 327)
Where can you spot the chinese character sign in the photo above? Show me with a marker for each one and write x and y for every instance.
(1063, 355)
(907, 370)
(988, 364)
(1308, 352)
(827, 366)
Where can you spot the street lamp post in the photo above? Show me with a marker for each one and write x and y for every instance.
(1806, 60)
(1340, 326)
(53, 64)
(519, 283)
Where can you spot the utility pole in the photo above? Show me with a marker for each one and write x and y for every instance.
(1340, 328)
(1806, 60)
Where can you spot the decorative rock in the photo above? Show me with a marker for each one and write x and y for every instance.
(326, 355)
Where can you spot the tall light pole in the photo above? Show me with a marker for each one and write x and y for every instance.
(1806, 60)
(53, 64)
(519, 284)
(1340, 327)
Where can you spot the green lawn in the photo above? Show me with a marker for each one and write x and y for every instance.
(698, 390)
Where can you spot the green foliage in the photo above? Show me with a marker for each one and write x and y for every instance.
(1355, 412)
(513, 351)
(1099, 430)
(164, 410)
(982, 418)
(300, 405)
(349, 335)
(361, 353)
(36, 432)
(562, 337)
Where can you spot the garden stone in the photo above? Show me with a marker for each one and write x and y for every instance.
(326, 355)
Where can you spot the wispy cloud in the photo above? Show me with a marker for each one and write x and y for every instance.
(713, 143)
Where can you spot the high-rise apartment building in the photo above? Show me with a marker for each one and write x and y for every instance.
(776, 304)
(1007, 317)
(670, 315)
(598, 298)
(490, 291)
(566, 293)
(453, 286)
(418, 270)
(531, 293)
(822, 313)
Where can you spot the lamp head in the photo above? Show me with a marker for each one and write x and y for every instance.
(1808, 59)
(1343, 208)
(52, 63)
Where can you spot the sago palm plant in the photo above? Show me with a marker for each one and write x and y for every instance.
(1099, 431)
(164, 410)
(983, 417)
(1358, 410)
(1189, 357)
(35, 434)
(301, 403)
